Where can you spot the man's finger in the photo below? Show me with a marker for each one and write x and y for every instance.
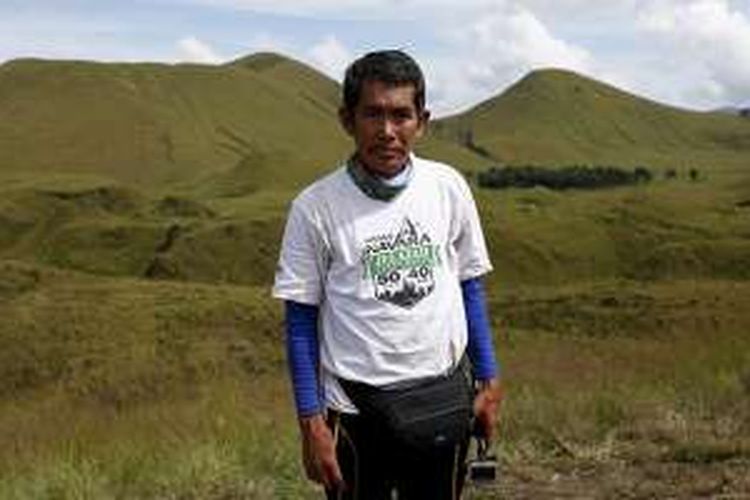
(332, 474)
(312, 472)
(489, 428)
(485, 409)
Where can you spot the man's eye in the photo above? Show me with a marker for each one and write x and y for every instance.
(403, 114)
(373, 113)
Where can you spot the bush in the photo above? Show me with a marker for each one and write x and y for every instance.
(574, 176)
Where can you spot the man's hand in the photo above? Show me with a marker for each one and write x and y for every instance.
(319, 453)
(486, 405)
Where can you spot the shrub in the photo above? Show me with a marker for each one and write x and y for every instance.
(567, 177)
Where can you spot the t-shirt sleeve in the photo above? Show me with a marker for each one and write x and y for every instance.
(469, 244)
(302, 260)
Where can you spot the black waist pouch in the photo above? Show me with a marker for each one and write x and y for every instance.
(429, 414)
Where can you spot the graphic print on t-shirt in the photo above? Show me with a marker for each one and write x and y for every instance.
(401, 264)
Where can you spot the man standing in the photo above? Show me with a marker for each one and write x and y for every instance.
(380, 271)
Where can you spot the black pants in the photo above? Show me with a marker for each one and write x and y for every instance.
(374, 465)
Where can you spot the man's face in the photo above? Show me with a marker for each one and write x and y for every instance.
(385, 124)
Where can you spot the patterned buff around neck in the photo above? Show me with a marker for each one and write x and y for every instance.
(376, 187)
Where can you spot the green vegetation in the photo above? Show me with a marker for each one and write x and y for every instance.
(150, 123)
(141, 356)
(555, 117)
(570, 177)
(119, 388)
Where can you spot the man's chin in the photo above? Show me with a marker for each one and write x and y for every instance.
(387, 166)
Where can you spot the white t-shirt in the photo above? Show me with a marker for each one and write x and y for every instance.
(385, 274)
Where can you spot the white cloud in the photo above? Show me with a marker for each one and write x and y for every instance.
(707, 36)
(30, 31)
(421, 9)
(331, 56)
(266, 42)
(687, 52)
(302, 7)
(518, 37)
(703, 60)
(499, 45)
(193, 50)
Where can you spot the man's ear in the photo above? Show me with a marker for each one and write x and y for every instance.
(346, 119)
(424, 121)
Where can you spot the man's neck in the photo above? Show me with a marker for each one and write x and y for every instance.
(376, 185)
(378, 174)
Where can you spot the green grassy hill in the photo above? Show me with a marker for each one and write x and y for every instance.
(229, 130)
(557, 117)
(217, 152)
(141, 355)
(263, 118)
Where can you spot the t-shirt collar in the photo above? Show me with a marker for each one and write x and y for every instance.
(377, 187)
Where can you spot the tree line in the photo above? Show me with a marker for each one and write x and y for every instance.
(569, 177)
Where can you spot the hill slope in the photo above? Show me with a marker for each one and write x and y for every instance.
(156, 123)
(555, 116)
(265, 120)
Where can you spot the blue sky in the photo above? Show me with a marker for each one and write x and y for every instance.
(689, 53)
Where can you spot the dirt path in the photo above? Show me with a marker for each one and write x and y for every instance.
(725, 480)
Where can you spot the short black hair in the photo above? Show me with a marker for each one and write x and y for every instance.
(393, 67)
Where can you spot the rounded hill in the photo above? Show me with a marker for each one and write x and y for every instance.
(158, 123)
(557, 116)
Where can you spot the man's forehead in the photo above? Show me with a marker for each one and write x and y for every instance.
(379, 90)
(385, 84)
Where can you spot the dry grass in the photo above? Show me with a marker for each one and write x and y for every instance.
(587, 415)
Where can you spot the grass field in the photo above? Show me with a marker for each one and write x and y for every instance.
(627, 362)
(163, 390)
(141, 355)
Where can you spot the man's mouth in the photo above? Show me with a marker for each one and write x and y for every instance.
(388, 152)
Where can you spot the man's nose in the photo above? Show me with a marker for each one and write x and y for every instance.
(387, 127)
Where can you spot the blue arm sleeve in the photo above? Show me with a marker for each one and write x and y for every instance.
(481, 350)
(303, 356)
